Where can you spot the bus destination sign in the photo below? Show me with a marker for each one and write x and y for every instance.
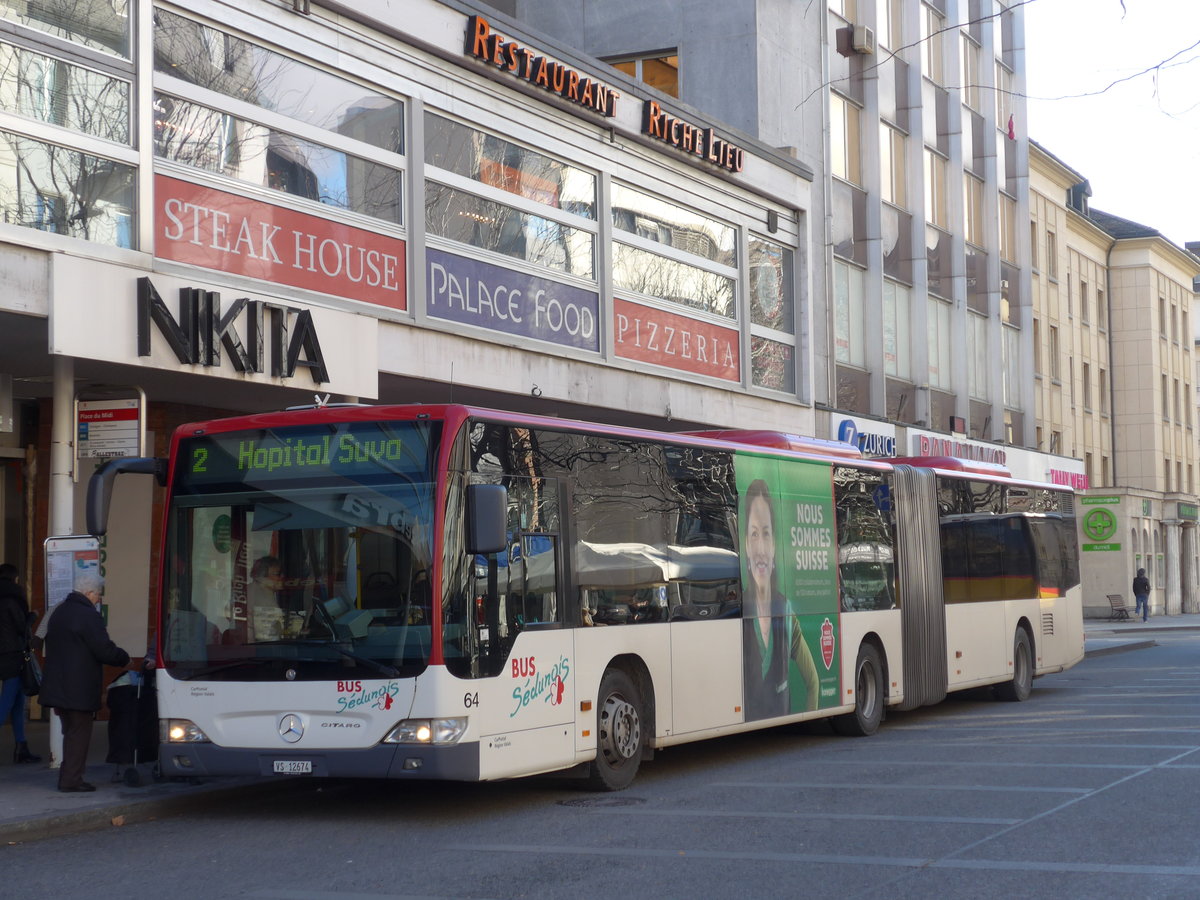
(358, 450)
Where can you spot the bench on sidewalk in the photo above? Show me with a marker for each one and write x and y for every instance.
(1120, 611)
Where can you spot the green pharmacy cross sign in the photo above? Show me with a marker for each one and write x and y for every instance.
(1099, 525)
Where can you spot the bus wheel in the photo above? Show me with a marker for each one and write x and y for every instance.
(868, 696)
(1022, 681)
(618, 733)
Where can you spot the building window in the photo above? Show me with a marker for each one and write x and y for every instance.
(1010, 349)
(1087, 386)
(215, 141)
(1084, 304)
(973, 209)
(229, 65)
(970, 73)
(1004, 108)
(56, 189)
(1008, 228)
(844, 139)
(1037, 347)
(1054, 364)
(659, 69)
(1101, 310)
(848, 314)
(932, 27)
(99, 24)
(56, 92)
(1051, 255)
(673, 253)
(939, 343)
(1162, 317)
(1102, 387)
(935, 189)
(893, 150)
(977, 357)
(772, 319)
(1033, 245)
(1166, 398)
(889, 18)
(897, 329)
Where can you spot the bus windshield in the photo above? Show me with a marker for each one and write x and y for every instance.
(301, 553)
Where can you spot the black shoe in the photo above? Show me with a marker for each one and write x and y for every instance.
(21, 754)
(82, 788)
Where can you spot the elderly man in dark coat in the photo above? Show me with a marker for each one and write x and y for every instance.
(77, 649)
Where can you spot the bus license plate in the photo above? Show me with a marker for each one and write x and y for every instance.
(293, 766)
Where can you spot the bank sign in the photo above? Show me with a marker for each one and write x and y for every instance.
(873, 439)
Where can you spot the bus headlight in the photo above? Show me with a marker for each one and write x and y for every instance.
(180, 731)
(427, 731)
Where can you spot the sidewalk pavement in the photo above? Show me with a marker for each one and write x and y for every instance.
(31, 808)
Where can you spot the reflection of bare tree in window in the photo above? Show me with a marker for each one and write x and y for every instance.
(56, 189)
(218, 142)
(252, 73)
(773, 364)
(510, 167)
(101, 24)
(470, 219)
(656, 276)
(56, 92)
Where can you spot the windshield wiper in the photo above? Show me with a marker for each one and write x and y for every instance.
(374, 665)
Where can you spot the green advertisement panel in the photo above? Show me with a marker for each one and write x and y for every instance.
(791, 646)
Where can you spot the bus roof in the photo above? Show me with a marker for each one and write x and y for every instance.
(952, 464)
(780, 440)
(775, 440)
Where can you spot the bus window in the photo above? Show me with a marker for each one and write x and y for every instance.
(866, 538)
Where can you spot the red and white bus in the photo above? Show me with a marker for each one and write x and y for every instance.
(450, 592)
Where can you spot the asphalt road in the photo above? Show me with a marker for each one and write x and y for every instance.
(1089, 789)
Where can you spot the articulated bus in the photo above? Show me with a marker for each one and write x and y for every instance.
(445, 592)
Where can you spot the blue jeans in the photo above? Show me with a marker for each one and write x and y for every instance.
(12, 703)
(1143, 606)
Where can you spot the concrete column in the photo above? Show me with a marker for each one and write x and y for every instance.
(1172, 595)
(62, 485)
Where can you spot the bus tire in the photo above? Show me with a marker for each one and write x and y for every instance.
(868, 696)
(1022, 681)
(619, 735)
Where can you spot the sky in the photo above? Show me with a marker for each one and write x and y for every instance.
(1137, 143)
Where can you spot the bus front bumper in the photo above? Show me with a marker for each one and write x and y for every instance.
(457, 762)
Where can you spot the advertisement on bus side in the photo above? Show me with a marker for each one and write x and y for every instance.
(789, 586)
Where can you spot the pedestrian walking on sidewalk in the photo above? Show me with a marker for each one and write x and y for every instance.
(1141, 592)
(77, 649)
(14, 643)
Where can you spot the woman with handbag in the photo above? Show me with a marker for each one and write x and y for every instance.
(14, 648)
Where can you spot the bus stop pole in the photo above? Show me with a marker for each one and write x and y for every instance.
(62, 487)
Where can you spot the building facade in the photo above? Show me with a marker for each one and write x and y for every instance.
(232, 207)
(917, 109)
(1114, 364)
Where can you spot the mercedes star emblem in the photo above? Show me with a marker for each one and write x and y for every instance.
(291, 729)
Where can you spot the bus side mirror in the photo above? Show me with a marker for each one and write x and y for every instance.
(99, 491)
(487, 519)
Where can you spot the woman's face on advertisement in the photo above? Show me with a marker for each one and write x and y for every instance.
(760, 542)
